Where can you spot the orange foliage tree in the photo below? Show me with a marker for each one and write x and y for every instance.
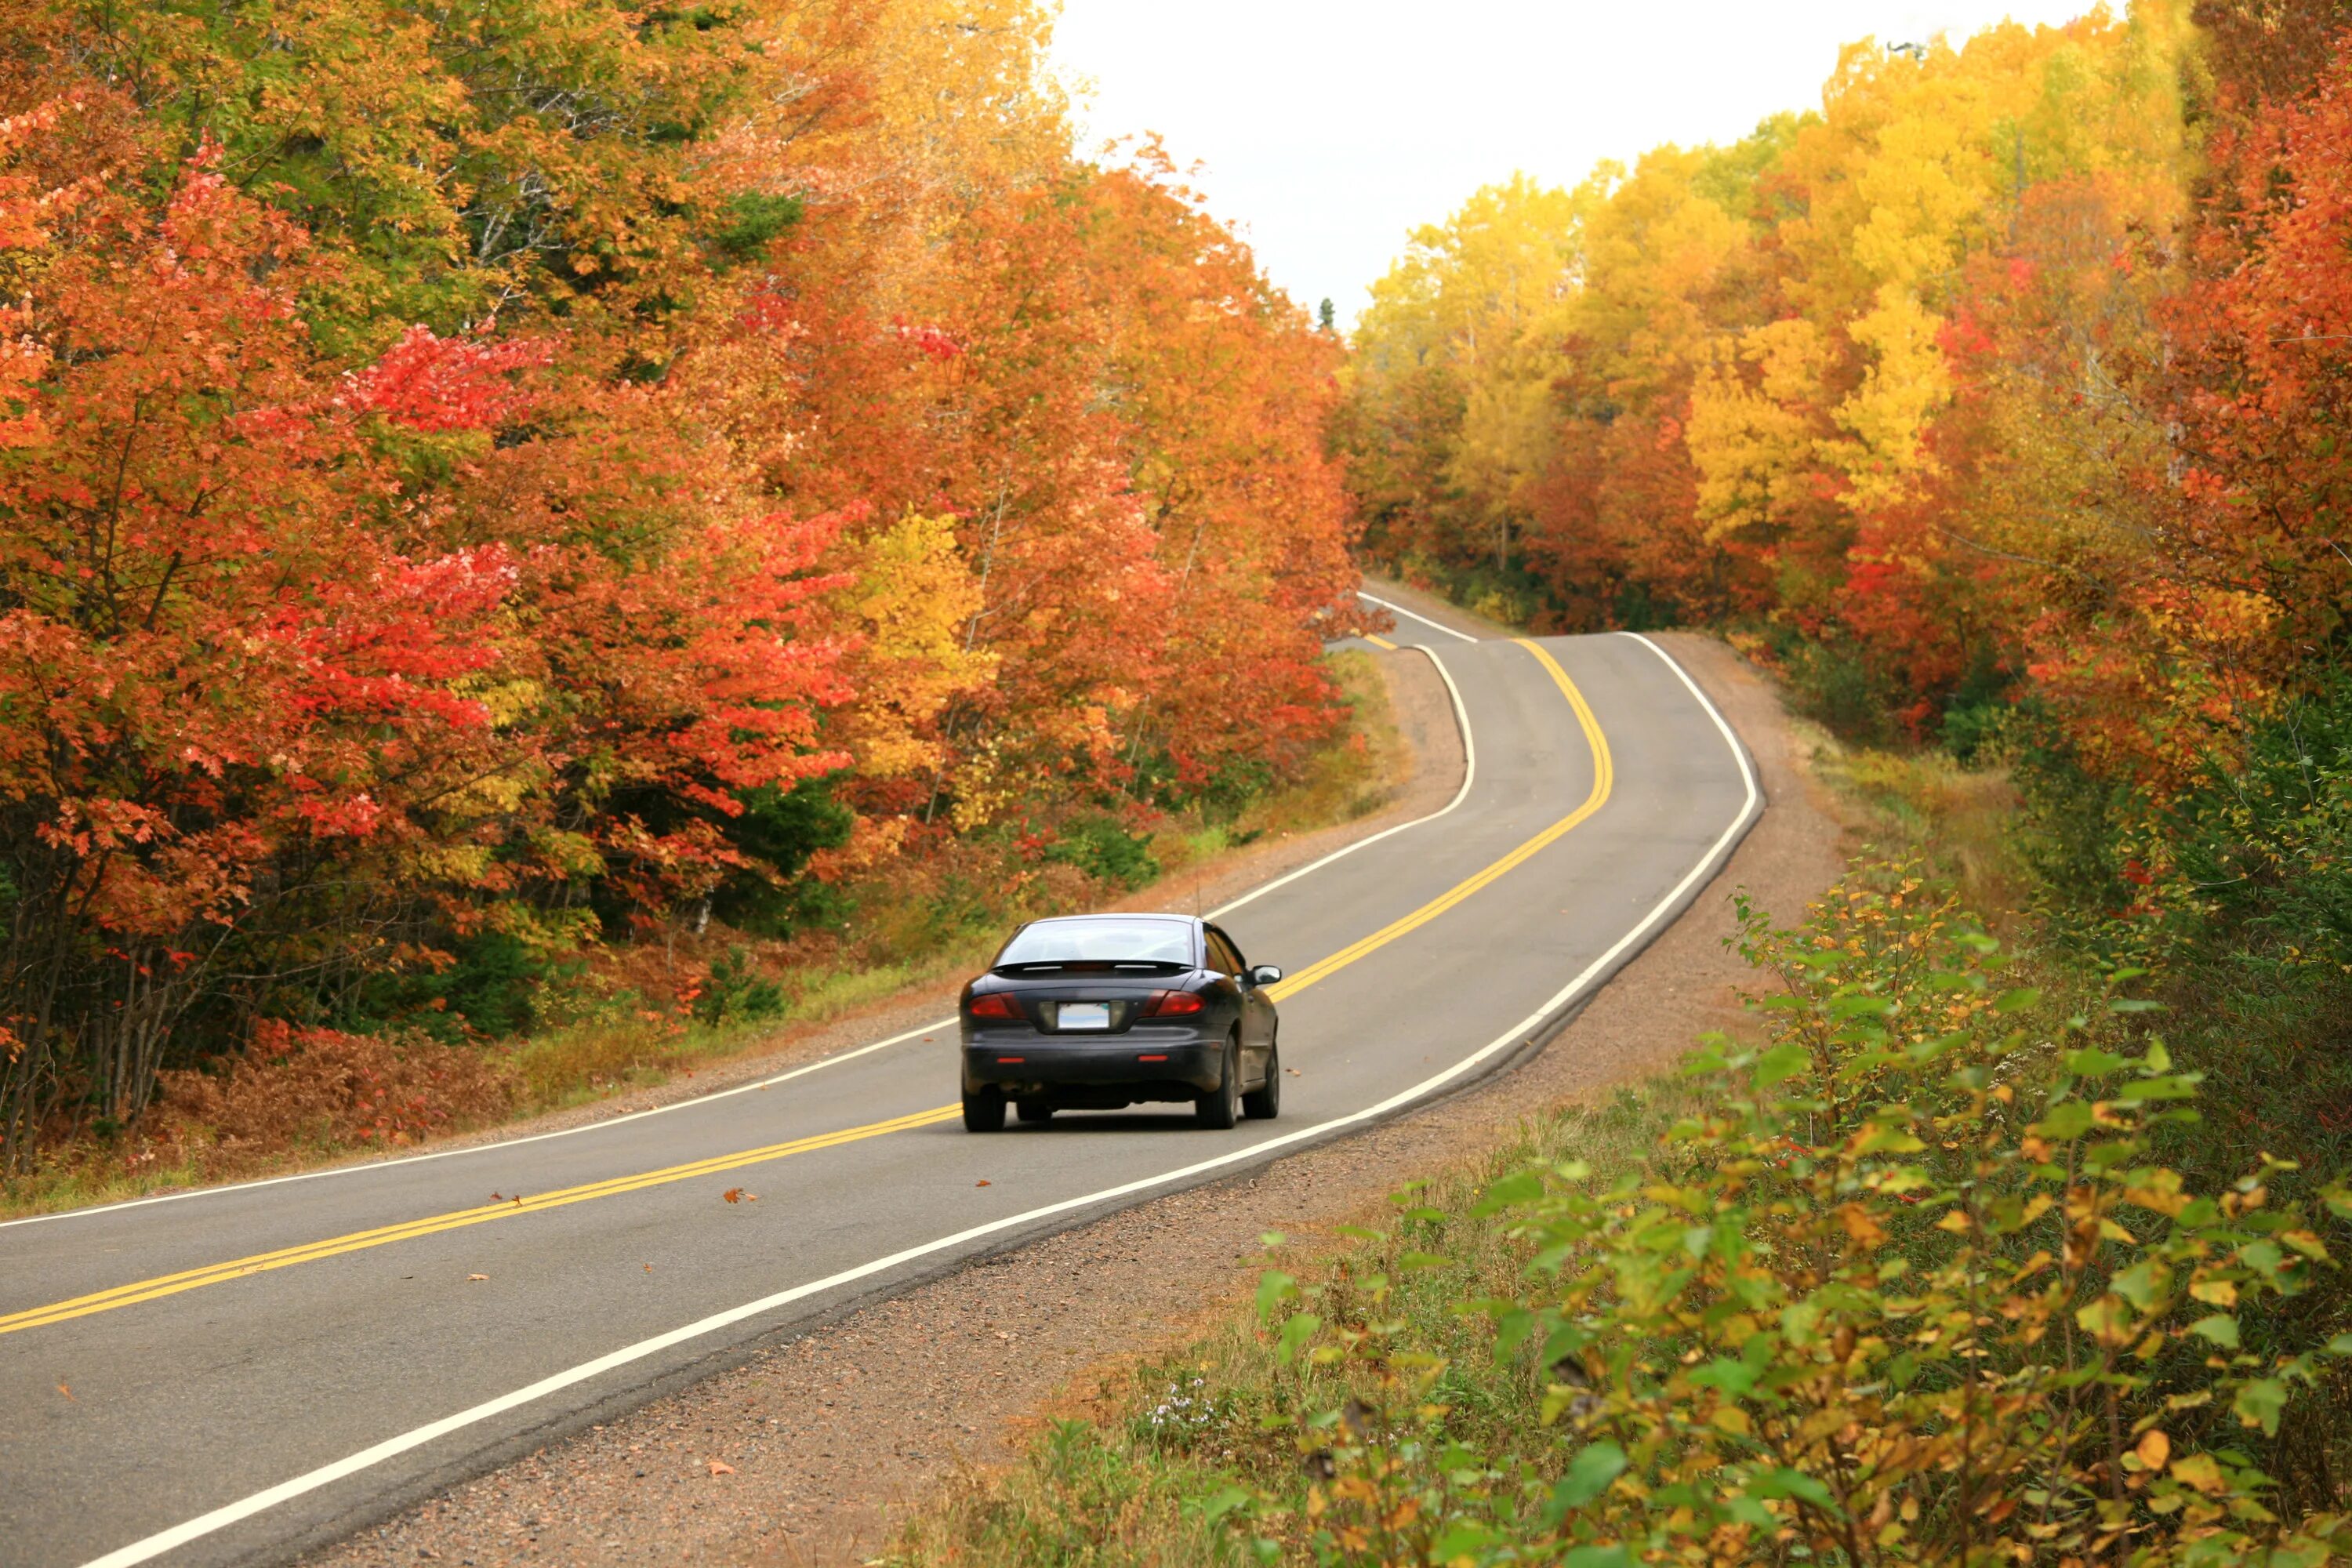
(494, 477)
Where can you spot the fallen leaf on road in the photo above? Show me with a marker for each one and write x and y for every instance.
(68, 1394)
(980, 1183)
(478, 1277)
(649, 1269)
(721, 1468)
(738, 1196)
(1293, 1072)
(498, 1197)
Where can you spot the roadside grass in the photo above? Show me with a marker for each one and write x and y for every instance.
(1923, 808)
(294, 1111)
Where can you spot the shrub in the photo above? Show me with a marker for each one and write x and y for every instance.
(324, 1089)
(736, 992)
(1908, 1287)
(1103, 848)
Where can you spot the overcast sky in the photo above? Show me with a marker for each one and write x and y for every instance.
(1328, 129)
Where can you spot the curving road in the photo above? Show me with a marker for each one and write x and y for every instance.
(240, 1374)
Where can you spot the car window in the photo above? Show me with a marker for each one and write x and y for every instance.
(1222, 956)
(1108, 939)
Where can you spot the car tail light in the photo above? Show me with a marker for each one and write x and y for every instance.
(1173, 1005)
(995, 1005)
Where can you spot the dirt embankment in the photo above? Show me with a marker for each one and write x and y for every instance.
(807, 1451)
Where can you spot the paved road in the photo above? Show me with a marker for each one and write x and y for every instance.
(258, 1370)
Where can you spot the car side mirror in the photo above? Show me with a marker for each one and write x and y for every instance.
(1264, 974)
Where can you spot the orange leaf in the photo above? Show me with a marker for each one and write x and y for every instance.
(721, 1468)
(478, 1277)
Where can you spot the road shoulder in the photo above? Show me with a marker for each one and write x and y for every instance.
(810, 1450)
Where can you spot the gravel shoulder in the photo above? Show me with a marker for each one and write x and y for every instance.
(810, 1450)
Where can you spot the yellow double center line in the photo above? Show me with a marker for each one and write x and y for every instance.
(383, 1236)
(1603, 776)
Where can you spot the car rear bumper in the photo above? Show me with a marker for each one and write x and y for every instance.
(1144, 1063)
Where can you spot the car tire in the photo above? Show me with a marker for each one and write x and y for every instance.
(984, 1112)
(1263, 1103)
(1034, 1112)
(1221, 1107)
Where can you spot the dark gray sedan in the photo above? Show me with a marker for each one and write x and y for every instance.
(1097, 1012)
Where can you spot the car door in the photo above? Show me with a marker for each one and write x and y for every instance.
(1257, 1008)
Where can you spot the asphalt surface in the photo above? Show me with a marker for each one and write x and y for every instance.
(241, 1374)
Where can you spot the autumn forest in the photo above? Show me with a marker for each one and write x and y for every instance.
(489, 486)
(537, 520)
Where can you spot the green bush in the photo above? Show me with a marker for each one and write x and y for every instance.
(1104, 849)
(1834, 685)
(491, 988)
(1908, 1289)
(737, 993)
(778, 831)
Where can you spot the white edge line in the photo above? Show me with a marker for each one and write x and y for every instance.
(1425, 620)
(1469, 773)
(1524, 1030)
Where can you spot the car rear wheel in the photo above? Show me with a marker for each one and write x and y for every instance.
(1033, 1110)
(983, 1110)
(1221, 1107)
(1263, 1103)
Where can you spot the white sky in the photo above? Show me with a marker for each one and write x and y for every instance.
(1328, 129)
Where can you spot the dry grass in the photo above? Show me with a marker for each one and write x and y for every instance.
(1923, 807)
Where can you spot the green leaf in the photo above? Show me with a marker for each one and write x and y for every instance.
(1459, 1540)
(1519, 1187)
(1782, 1062)
(1274, 1288)
(1597, 1557)
(2143, 1284)
(1733, 1377)
(2133, 1005)
(1589, 1475)
(2258, 1402)
(2092, 1062)
(2017, 1001)
(1295, 1335)
(1786, 1482)
(2172, 1086)
(1223, 1501)
(2221, 1328)
(2068, 1118)
(1412, 1260)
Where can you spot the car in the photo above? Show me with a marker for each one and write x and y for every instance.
(1099, 1012)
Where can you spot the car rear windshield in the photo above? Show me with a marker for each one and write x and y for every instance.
(1103, 941)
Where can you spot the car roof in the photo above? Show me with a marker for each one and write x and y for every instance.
(1115, 915)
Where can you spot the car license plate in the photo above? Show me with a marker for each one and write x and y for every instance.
(1085, 1015)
